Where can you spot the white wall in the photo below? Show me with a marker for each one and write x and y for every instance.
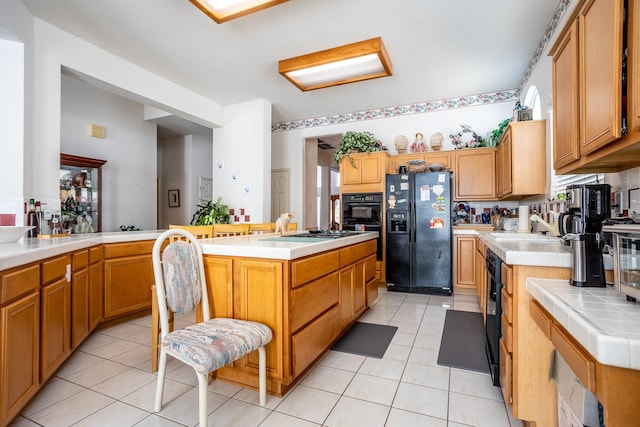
(129, 146)
(243, 148)
(288, 146)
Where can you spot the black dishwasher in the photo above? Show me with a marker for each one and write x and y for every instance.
(494, 311)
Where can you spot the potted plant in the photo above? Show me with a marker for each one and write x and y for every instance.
(356, 142)
(209, 213)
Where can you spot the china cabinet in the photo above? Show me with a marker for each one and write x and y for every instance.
(80, 193)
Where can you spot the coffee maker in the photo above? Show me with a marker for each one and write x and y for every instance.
(588, 205)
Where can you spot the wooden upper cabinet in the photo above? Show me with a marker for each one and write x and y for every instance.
(475, 174)
(521, 160)
(566, 145)
(368, 174)
(633, 64)
(401, 159)
(600, 28)
(443, 157)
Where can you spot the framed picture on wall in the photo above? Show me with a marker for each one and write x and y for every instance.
(174, 198)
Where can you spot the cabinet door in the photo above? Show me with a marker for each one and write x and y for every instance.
(372, 169)
(505, 373)
(96, 294)
(345, 296)
(475, 176)
(633, 70)
(401, 159)
(219, 274)
(350, 172)
(504, 178)
(465, 264)
(600, 25)
(56, 326)
(439, 157)
(80, 296)
(19, 355)
(127, 285)
(359, 288)
(566, 145)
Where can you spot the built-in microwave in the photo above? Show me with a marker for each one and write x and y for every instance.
(626, 258)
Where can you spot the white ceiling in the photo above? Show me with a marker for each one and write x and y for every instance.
(439, 48)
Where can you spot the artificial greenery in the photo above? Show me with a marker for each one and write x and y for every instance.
(209, 213)
(496, 134)
(354, 142)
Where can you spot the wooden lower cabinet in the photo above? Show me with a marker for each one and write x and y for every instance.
(464, 264)
(481, 276)
(96, 287)
(19, 354)
(80, 296)
(308, 303)
(128, 277)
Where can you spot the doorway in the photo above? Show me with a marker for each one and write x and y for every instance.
(280, 190)
(322, 181)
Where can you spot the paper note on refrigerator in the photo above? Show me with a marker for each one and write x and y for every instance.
(424, 193)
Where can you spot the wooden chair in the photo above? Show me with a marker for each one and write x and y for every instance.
(292, 226)
(262, 228)
(226, 230)
(200, 232)
(179, 274)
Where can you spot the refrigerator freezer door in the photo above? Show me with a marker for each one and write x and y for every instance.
(432, 231)
(398, 255)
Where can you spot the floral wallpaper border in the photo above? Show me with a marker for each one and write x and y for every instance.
(401, 110)
(438, 105)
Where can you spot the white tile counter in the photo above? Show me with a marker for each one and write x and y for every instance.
(600, 319)
(28, 250)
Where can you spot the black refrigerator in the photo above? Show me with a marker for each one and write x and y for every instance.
(418, 228)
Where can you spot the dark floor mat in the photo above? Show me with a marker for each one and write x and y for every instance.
(463, 339)
(366, 339)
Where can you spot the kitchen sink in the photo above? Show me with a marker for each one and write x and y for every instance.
(324, 234)
(523, 237)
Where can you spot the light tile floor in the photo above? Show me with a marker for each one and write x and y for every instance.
(107, 382)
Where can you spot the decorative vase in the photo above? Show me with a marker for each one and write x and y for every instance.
(436, 141)
(401, 143)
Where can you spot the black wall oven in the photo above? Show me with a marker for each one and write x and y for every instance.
(363, 212)
(494, 311)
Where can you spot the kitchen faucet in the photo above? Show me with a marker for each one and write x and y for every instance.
(552, 228)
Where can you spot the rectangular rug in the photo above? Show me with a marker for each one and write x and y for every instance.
(366, 339)
(463, 339)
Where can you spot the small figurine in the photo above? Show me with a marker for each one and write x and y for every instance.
(419, 146)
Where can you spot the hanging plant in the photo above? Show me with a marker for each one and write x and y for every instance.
(356, 142)
(209, 213)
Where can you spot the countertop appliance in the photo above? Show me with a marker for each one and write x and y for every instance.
(494, 311)
(419, 233)
(587, 264)
(587, 206)
(626, 258)
(363, 212)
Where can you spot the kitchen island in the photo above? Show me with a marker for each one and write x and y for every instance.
(55, 292)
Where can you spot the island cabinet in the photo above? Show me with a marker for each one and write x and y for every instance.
(475, 174)
(481, 276)
(55, 324)
(80, 294)
(521, 162)
(19, 339)
(525, 352)
(307, 302)
(128, 277)
(593, 105)
(365, 174)
(96, 286)
(614, 387)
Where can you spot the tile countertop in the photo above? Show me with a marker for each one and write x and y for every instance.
(28, 250)
(600, 319)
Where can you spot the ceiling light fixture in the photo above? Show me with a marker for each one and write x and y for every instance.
(351, 63)
(225, 10)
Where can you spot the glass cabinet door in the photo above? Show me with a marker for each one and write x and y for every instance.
(80, 194)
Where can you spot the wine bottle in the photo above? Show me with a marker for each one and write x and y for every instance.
(32, 219)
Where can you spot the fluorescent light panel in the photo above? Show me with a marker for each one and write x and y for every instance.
(355, 62)
(225, 10)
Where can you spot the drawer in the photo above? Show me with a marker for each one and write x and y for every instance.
(371, 246)
(54, 269)
(79, 260)
(117, 250)
(507, 333)
(351, 254)
(310, 300)
(576, 357)
(19, 281)
(540, 317)
(95, 254)
(507, 278)
(313, 340)
(507, 305)
(308, 269)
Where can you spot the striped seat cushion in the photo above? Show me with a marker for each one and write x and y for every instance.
(215, 343)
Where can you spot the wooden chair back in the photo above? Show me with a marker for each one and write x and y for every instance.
(262, 228)
(198, 231)
(226, 230)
